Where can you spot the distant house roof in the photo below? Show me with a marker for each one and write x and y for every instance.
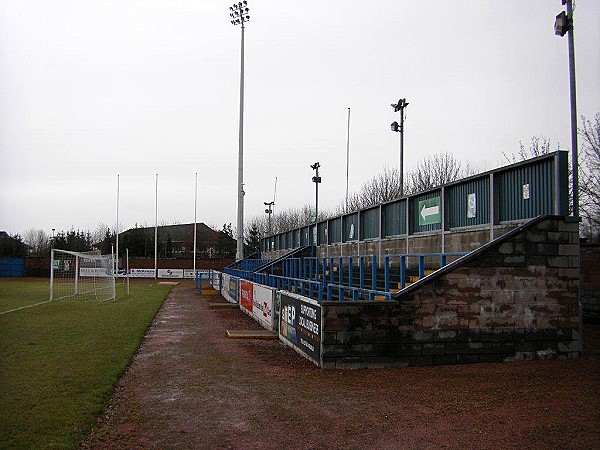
(204, 233)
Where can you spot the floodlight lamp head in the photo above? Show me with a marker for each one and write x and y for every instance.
(561, 24)
(395, 126)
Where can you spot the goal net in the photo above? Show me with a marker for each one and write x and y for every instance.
(81, 276)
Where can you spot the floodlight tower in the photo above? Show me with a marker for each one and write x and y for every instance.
(316, 179)
(402, 103)
(239, 13)
(564, 25)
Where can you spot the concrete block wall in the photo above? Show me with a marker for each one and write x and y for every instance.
(590, 281)
(457, 240)
(513, 299)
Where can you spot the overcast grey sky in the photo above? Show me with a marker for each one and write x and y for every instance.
(92, 89)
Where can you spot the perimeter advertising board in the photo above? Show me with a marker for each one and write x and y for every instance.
(229, 289)
(257, 301)
(215, 280)
(246, 295)
(300, 325)
(170, 273)
(141, 273)
(190, 273)
(263, 309)
(93, 272)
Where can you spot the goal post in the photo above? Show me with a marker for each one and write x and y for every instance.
(81, 276)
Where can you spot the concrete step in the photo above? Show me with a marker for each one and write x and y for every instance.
(223, 305)
(251, 334)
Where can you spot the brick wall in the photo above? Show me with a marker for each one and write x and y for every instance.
(514, 299)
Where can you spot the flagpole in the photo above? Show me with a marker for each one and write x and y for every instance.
(117, 228)
(347, 158)
(156, 231)
(195, 219)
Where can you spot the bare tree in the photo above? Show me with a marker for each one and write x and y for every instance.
(436, 170)
(38, 242)
(433, 171)
(291, 218)
(540, 145)
(589, 186)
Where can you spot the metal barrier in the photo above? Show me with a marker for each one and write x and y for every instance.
(327, 278)
(443, 258)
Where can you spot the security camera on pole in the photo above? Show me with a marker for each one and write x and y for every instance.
(402, 103)
(316, 179)
(269, 211)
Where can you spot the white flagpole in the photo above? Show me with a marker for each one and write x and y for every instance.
(347, 159)
(127, 256)
(195, 219)
(156, 232)
(117, 229)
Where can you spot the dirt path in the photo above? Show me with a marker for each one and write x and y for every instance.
(190, 387)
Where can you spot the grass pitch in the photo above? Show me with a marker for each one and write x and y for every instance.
(59, 362)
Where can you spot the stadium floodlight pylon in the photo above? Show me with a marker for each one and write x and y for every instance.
(81, 276)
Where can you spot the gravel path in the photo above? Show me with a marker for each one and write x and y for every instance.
(190, 387)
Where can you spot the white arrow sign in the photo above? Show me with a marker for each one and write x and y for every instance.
(431, 211)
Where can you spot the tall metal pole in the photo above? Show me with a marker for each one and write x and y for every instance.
(574, 147)
(117, 229)
(347, 158)
(316, 179)
(239, 15)
(156, 231)
(402, 103)
(401, 180)
(564, 25)
(240, 218)
(195, 219)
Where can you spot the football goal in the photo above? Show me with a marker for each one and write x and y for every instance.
(81, 276)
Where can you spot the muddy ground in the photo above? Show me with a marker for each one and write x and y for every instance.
(190, 387)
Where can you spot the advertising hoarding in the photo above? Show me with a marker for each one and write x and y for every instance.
(300, 325)
(263, 308)
(170, 273)
(141, 273)
(229, 288)
(189, 273)
(258, 302)
(233, 289)
(93, 272)
(246, 295)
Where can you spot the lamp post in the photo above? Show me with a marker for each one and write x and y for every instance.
(52, 242)
(564, 25)
(239, 16)
(269, 211)
(316, 179)
(399, 127)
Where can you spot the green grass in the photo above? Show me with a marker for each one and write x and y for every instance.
(60, 361)
(16, 293)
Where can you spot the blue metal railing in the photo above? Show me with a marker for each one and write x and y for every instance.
(420, 257)
(339, 277)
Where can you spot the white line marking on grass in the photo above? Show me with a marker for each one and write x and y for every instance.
(23, 307)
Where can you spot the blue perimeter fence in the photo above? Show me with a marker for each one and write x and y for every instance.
(339, 278)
